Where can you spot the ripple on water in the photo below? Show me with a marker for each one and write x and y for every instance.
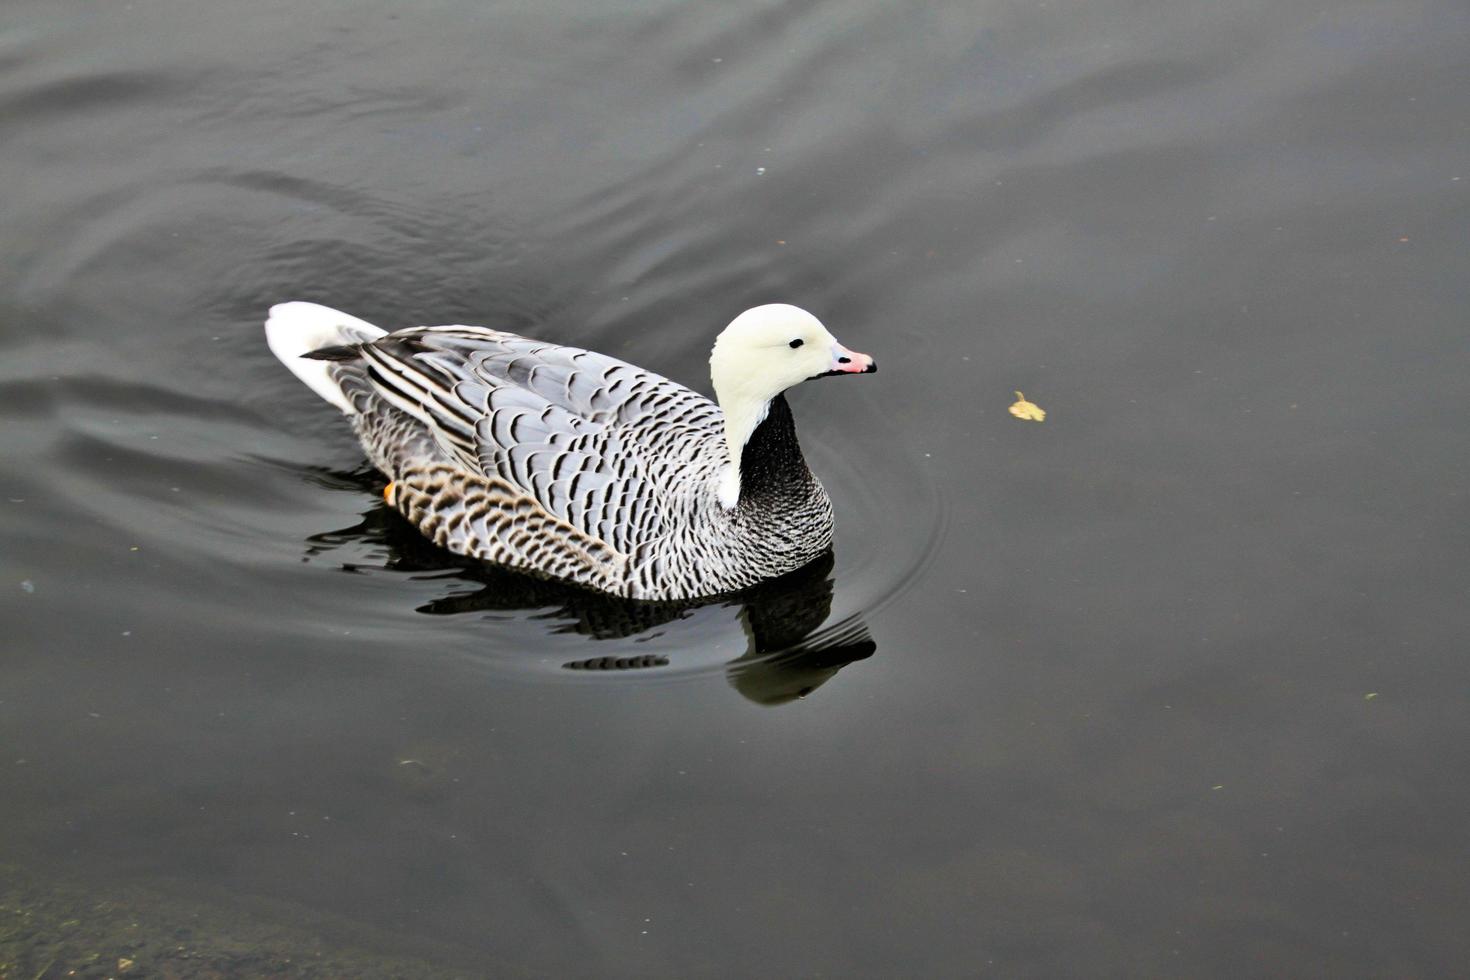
(202, 452)
(216, 499)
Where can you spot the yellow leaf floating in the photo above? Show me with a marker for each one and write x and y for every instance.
(1027, 411)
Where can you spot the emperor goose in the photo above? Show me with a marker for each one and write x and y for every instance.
(578, 466)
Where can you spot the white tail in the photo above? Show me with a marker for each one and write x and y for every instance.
(294, 329)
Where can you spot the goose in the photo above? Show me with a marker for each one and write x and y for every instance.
(574, 465)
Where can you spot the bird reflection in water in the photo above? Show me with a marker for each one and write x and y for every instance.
(788, 654)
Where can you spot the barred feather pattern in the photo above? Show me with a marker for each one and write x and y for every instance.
(577, 466)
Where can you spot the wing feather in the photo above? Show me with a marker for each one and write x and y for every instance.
(596, 442)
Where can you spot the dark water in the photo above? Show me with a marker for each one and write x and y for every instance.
(1174, 683)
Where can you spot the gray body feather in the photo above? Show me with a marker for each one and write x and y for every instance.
(575, 465)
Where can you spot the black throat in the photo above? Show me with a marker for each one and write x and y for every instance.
(771, 464)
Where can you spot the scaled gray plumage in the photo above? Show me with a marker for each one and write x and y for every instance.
(568, 463)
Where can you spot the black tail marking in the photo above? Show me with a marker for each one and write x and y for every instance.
(342, 352)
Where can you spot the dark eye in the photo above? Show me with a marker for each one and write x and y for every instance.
(796, 343)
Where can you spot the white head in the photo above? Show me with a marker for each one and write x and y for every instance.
(761, 353)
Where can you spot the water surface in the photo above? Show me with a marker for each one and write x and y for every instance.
(1173, 683)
